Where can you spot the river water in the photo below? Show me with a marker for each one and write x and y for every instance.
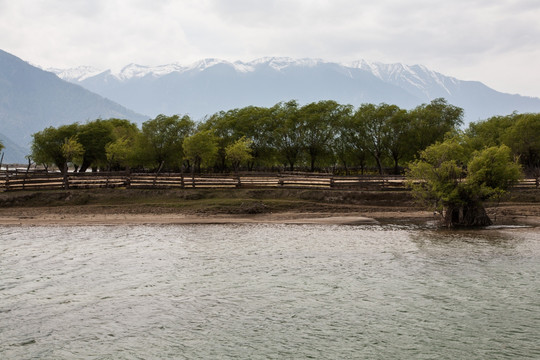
(268, 292)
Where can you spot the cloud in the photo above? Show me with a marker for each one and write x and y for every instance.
(450, 36)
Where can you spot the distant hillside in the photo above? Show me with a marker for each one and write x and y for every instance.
(32, 99)
(211, 85)
(13, 153)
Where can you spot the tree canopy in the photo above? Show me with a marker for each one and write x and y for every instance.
(456, 182)
(319, 136)
(200, 149)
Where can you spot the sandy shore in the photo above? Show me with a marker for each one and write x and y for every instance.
(53, 217)
(73, 216)
(133, 208)
(43, 217)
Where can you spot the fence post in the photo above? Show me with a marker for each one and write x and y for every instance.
(7, 178)
(66, 177)
(128, 178)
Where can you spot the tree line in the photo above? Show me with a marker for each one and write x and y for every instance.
(316, 136)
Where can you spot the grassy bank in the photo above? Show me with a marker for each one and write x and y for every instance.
(232, 201)
(387, 206)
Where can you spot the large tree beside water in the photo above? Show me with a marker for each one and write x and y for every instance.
(451, 179)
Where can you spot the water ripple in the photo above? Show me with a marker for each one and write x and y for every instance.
(268, 291)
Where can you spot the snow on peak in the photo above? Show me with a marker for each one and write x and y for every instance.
(76, 74)
(414, 77)
(280, 63)
(138, 71)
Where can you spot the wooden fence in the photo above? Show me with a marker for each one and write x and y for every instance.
(16, 180)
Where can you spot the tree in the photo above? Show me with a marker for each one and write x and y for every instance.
(318, 123)
(398, 138)
(523, 137)
(118, 153)
(488, 132)
(73, 151)
(1, 156)
(160, 142)
(288, 139)
(94, 136)
(455, 182)
(239, 152)
(373, 120)
(252, 122)
(200, 149)
(258, 125)
(47, 145)
(121, 152)
(432, 122)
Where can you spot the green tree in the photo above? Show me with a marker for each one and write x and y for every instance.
(523, 137)
(47, 145)
(254, 123)
(455, 182)
(344, 143)
(318, 124)
(432, 122)
(121, 152)
(288, 138)
(239, 152)
(398, 138)
(160, 142)
(488, 132)
(353, 134)
(118, 153)
(94, 136)
(1, 146)
(373, 120)
(201, 149)
(73, 151)
(257, 124)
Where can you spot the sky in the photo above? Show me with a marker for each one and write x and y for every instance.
(496, 42)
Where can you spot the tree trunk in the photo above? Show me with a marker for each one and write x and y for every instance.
(469, 215)
(396, 166)
(379, 165)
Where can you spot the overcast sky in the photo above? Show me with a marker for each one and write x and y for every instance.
(493, 41)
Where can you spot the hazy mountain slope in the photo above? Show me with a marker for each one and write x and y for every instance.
(211, 85)
(13, 153)
(478, 100)
(32, 99)
(222, 86)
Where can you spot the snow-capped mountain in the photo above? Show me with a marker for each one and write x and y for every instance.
(77, 74)
(130, 71)
(212, 85)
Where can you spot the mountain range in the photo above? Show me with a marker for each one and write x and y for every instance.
(32, 99)
(211, 85)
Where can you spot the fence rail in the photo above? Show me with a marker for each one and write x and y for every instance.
(16, 180)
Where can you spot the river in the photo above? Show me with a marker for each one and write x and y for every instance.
(268, 292)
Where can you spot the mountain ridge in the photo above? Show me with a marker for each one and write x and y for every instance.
(32, 99)
(266, 81)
